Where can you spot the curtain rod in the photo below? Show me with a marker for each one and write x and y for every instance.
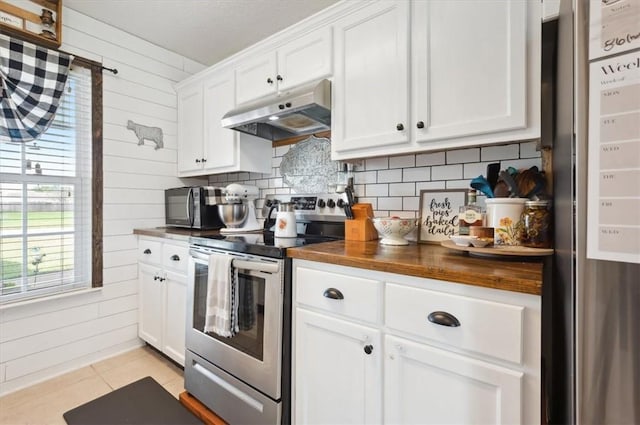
(114, 70)
(90, 63)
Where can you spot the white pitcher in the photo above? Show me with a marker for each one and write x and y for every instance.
(285, 221)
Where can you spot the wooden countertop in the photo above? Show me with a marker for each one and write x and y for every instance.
(421, 260)
(430, 261)
(174, 233)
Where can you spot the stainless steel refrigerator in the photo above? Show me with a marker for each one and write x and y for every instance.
(591, 308)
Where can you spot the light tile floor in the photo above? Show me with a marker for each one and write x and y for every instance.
(45, 403)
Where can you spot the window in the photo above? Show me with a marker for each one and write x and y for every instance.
(48, 193)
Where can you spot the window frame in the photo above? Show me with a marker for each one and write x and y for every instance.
(96, 168)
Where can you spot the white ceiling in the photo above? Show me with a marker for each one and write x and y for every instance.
(206, 31)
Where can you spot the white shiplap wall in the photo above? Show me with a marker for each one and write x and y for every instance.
(46, 338)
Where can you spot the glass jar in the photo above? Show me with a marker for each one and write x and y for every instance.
(536, 224)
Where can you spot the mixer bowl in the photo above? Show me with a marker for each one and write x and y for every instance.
(233, 215)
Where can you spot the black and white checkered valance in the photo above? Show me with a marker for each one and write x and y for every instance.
(32, 81)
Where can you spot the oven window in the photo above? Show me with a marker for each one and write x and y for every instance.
(250, 337)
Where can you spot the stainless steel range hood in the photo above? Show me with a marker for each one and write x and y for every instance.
(297, 112)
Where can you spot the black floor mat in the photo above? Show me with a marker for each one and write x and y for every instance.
(143, 402)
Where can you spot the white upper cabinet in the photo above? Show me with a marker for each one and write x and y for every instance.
(204, 146)
(302, 60)
(256, 77)
(468, 75)
(190, 129)
(220, 143)
(469, 68)
(370, 89)
(305, 59)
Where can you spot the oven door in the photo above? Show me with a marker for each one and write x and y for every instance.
(254, 354)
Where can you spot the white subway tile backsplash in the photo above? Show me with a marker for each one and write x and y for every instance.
(275, 182)
(365, 177)
(446, 172)
(410, 203)
(520, 164)
(372, 201)
(458, 184)
(496, 153)
(475, 169)
(423, 159)
(439, 185)
(377, 190)
(529, 150)
(381, 163)
(262, 184)
(418, 174)
(402, 189)
(463, 155)
(405, 161)
(392, 185)
(281, 150)
(390, 203)
(390, 176)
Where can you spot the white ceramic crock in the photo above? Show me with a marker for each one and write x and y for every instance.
(503, 214)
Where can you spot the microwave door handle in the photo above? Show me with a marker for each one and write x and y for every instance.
(189, 201)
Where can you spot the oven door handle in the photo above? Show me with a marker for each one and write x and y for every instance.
(256, 266)
(241, 264)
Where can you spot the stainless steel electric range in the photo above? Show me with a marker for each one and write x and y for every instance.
(246, 378)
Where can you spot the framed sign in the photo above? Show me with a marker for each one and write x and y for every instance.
(614, 27)
(439, 214)
(36, 21)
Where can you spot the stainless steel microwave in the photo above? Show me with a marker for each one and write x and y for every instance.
(194, 207)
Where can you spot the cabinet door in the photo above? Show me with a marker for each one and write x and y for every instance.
(190, 131)
(256, 77)
(336, 381)
(305, 59)
(371, 102)
(175, 313)
(150, 311)
(220, 144)
(425, 385)
(469, 73)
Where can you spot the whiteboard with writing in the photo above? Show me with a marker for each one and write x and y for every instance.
(613, 207)
(614, 27)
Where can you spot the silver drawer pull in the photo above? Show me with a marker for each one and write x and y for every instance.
(147, 251)
(444, 319)
(174, 257)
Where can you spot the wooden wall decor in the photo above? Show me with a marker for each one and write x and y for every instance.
(36, 21)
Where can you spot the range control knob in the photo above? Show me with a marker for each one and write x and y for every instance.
(331, 203)
(321, 203)
(340, 203)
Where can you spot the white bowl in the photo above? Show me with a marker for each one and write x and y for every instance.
(462, 240)
(480, 243)
(392, 230)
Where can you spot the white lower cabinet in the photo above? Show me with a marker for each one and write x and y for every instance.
(162, 276)
(341, 383)
(427, 385)
(374, 347)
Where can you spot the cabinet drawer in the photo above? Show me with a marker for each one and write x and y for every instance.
(485, 327)
(345, 295)
(149, 251)
(175, 257)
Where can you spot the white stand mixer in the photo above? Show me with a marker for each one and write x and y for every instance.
(241, 194)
